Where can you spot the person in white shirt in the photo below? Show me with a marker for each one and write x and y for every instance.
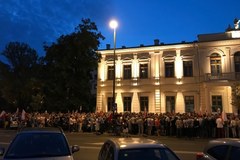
(219, 122)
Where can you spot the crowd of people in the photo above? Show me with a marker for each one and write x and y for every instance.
(189, 125)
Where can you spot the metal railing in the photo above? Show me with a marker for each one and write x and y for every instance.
(222, 76)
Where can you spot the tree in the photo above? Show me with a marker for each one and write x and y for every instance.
(236, 95)
(19, 74)
(69, 63)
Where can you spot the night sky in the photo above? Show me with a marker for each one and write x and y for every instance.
(140, 21)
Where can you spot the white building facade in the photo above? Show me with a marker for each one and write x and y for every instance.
(183, 77)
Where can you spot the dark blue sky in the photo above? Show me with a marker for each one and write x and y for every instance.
(140, 21)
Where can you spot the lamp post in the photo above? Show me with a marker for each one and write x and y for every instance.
(114, 24)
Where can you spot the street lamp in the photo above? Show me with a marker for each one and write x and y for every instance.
(114, 24)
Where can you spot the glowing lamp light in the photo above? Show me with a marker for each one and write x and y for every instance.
(113, 24)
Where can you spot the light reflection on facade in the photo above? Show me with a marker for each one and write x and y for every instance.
(204, 85)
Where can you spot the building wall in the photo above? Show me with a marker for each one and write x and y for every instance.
(202, 86)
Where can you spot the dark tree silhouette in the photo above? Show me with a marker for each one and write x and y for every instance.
(69, 66)
(18, 75)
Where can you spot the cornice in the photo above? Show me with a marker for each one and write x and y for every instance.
(148, 49)
(170, 47)
(220, 43)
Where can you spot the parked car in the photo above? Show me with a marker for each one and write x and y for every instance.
(221, 149)
(135, 149)
(39, 143)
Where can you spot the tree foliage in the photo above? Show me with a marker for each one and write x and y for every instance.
(236, 95)
(59, 81)
(69, 66)
(18, 74)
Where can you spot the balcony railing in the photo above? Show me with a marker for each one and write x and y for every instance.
(222, 76)
(163, 80)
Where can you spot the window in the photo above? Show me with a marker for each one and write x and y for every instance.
(170, 155)
(127, 72)
(110, 154)
(170, 104)
(169, 69)
(143, 71)
(216, 104)
(215, 63)
(237, 64)
(218, 152)
(144, 104)
(235, 153)
(237, 61)
(110, 103)
(104, 150)
(146, 153)
(187, 69)
(32, 145)
(110, 72)
(127, 103)
(189, 103)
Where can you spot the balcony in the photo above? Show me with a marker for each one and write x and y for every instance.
(207, 77)
(222, 76)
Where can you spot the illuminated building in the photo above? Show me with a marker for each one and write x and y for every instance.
(183, 77)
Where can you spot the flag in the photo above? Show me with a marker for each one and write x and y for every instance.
(2, 114)
(16, 113)
(23, 115)
(224, 116)
(110, 117)
(145, 112)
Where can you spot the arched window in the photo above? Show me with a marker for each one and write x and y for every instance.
(216, 64)
(237, 61)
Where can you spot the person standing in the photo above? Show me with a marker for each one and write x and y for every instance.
(167, 125)
(71, 123)
(238, 126)
(140, 125)
(179, 125)
(226, 127)
(233, 125)
(157, 126)
(97, 125)
(219, 123)
(150, 123)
